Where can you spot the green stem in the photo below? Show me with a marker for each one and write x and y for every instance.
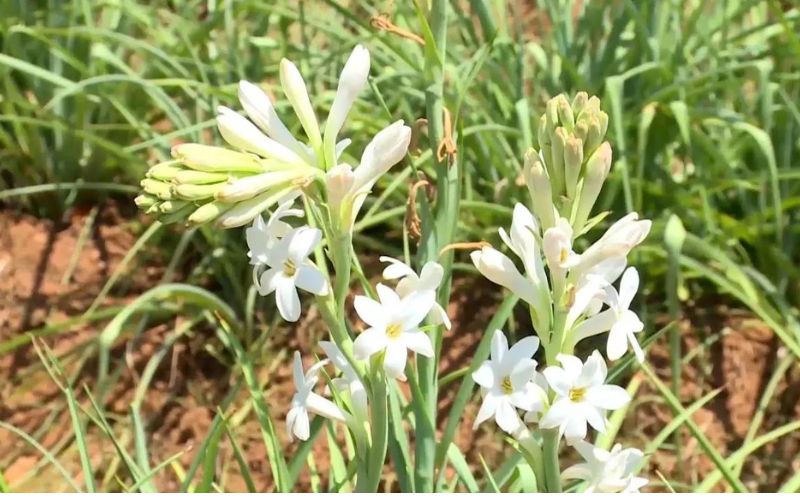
(552, 468)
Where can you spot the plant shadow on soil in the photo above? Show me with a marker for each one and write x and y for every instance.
(51, 273)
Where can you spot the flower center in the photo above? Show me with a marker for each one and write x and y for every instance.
(394, 331)
(289, 269)
(506, 385)
(576, 394)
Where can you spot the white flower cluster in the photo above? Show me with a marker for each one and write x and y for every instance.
(571, 296)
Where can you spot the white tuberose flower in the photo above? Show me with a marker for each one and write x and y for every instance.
(505, 380)
(621, 323)
(290, 268)
(394, 326)
(348, 383)
(305, 400)
(581, 396)
(263, 236)
(428, 279)
(607, 471)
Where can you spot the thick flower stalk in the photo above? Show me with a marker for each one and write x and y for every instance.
(568, 286)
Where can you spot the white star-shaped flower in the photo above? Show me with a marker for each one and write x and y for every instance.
(290, 269)
(428, 279)
(393, 327)
(305, 400)
(506, 381)
(581, 396)
(607, 471)
(262, 236)
(621, 323)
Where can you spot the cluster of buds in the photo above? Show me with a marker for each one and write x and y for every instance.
(264, 163)
(211, 184)
(573, 161)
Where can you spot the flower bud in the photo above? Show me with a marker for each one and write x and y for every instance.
(208, 212)
(295, 89)
(145, 201)
(579, 102)
(539, 189)
(259, 108)
(352, 81)
(215, 159)
(565, 116)
(196, 192)
(245, 211)
(556, 167)
(178, 215)
(240, 133)
(594, 135)
(573, 160)
(199, 177)
(339, 183)
(172, 206)
(164, 171)
(597, 168)
(158, 189)
(248, 187)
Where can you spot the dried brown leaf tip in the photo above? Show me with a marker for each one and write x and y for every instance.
(383, 23)
(447, 147)
(413, 222)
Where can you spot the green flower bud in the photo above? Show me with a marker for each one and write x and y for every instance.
(215, 159)
(172, 206)
(539, 188)
(565, 116)
(197, 191)
(597, 169)
(199, 177)
(178, 215)
(144, 201)
(579, 103)
(573, 160)
(208, 212)
(164, 171)
(158, 189)
(556, 167)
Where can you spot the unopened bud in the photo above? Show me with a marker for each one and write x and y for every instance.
(581, 129)
(178, 215)
(594, 135)
(208, 212)
(158, 189)
(199, 177)
(248, 187)
(556, 167)
(145, 201)
(196, 192)
(597, 168)
(244, 212)
(579, 102)
(164, 171)
(565, 116)
(539, 188)
(215, 159)
(573, 159)
(172, 206)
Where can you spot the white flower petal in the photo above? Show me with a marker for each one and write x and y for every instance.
(558, 380)
(617, 343)
(286, 298)
(499, 346)
(558, 413)
(370, 311)
(351, 81)
(608, 397)
(431, 276)
(572, 366)
(419, 342)
(484, 375)
(324, 407)
(240, 133)
(396, 268)
(599, 323)
(524, 349)
(268, 281)
(297, 422)
(487, 410)
(394, 362)
(295, 89)
(388, 297)
(628, 286)
(507, 417)
(310, 279)
(258, 107)
(594, 417)
(369, 342)
(415, 307)
(302, 243)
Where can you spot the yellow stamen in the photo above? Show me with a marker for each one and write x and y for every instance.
(577, 394)
(507, 386)
(394, 331)
(289, 269)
